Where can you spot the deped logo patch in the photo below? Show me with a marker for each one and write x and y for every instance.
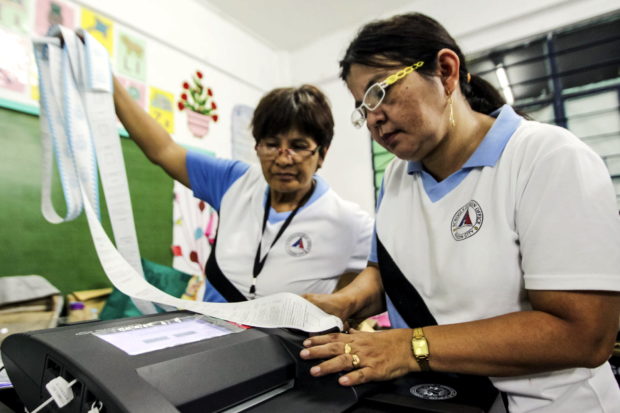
(298, 244)
(467, 221)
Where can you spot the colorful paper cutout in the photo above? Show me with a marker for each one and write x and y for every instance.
(100, 28)
(14, 15)
(201, 108)
(51, 12)
(131, 56)
(135, 89)
(193, 233)
(160, 108)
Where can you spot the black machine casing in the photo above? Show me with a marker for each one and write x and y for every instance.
(211, 375)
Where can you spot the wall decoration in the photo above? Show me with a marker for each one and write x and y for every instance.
(241, 134)
(131, 56)
(34, 92)
(135, 89)
(101, 28)
(160, 108)
(33, 76)
(198, 100)
(51, 12)
(193, 233)
(14, 15)
(14, 61)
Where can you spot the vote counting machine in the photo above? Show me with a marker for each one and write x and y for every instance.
(184, 362)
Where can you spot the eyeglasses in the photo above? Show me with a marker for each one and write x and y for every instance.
(269, 151)
(376, 93)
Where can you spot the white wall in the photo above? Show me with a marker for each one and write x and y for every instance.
(477, 25)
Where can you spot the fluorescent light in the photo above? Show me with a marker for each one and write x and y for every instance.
(502, 77)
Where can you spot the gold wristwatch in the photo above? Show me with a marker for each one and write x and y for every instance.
(419, 346)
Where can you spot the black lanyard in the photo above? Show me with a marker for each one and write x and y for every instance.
(258, 262)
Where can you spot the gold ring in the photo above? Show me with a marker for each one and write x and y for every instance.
(356, 360)
(347, 348)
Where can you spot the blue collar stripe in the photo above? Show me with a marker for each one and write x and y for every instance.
(487, 154)
(319, 190)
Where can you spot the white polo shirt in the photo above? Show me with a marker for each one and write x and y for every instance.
(532, 209)
(327, 237)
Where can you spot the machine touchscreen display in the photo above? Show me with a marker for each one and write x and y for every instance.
(143, 338)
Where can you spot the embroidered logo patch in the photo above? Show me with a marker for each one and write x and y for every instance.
(298, 244)
(467, 221)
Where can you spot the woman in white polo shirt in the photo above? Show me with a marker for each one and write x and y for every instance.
(497, 238)
(281, 227)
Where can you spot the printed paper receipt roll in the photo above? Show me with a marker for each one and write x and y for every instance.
(278, 310)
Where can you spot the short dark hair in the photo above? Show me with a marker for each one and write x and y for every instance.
(408, 38)
(304, 109)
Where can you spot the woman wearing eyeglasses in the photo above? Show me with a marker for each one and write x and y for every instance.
(497, 238)
(281, 228)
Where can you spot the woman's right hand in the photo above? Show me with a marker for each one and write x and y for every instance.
(334, 304)
(360, 299)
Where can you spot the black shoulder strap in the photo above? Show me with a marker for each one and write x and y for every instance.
(403, 295)
(414, 311)
(219, 281)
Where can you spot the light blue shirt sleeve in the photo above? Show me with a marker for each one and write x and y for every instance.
(210, 177)
(212, 295)
(396, 320)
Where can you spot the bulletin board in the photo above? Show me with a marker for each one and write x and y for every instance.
(64, 253)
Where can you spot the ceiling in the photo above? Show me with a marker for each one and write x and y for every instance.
(290, 24)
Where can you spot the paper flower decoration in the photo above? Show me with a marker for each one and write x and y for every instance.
(198, 99)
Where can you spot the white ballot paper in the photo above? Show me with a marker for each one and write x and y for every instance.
(278, 310)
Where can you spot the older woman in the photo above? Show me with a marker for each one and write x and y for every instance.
(281, 228)
(497, 238)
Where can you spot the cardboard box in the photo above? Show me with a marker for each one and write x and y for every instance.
(86, 305)
(28, 302)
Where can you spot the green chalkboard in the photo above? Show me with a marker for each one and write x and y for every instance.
(64, 253)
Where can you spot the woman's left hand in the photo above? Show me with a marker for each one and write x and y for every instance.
(381, 355)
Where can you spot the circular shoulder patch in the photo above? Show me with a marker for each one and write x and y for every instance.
(298, 244)
(466, 221)
(433, 391)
